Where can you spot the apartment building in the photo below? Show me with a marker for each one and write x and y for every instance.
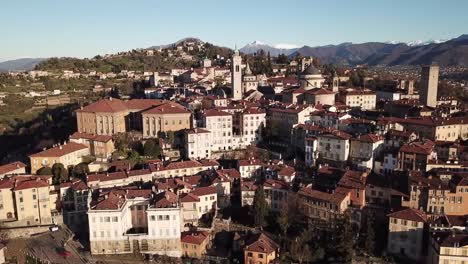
(27, 200)
(69, 154)
(322, 205)
(252, 122)
(135, 220)
(276, 194)
(163, 118)
(448, 247)
(364, 99)
(13, 168)
(249, 168)
(406, 233)
(105, 117)
(197, 143)
(364, 149)
(195, 243)
(333, 147)
(283, 119)
(416, 155)
(100, 146)
(220, 124)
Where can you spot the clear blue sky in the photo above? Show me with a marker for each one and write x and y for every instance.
(85, 28)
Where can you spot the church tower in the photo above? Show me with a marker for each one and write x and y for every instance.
(236, 76)
(335, 82)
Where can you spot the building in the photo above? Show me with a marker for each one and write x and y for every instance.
(164, 118)
(194, 243)
(123, 221)
(448, 247)
(100, 146)
(16, 167)
(282, 120)
(105, 117)
(429, 83)
(197, 143)
(406, 233)
(219, 123)
(276, 194)
(311, 77)
(249, 81)
(68, 154)
(319, 96)
(334, 146)
(416, 155)
(260, 249)
(364, 149)
(363, 99)
(252, 122)
(236, 76)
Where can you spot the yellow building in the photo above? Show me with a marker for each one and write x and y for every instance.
(448, 248)
(260, 249)
(69, 154)
(105, 117)
(164, 118)
(100, 146)
(194, 243)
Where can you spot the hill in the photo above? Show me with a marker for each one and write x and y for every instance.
(24, 64)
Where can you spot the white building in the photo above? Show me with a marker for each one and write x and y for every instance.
(334, 146)
(197, 143)
(364, 99)
(252, 121)
(364, 149)
(219, 123)
(128, 220)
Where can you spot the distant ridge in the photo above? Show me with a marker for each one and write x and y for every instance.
(24, 64)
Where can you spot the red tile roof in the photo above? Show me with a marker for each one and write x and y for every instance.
(60, 151)
(194, 237)
(189, 198)
(262, 243)
(410, 214)
(32, 183)
(98, 138)
(215, 112)
(111, 105)
(167, 108)
(7, 168)
(201, 191)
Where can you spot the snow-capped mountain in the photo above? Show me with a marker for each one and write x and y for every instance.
(418, 42)
(275, 50)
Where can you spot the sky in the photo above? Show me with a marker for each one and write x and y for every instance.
(85, 28)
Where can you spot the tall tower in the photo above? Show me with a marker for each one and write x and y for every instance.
(335, 82)
(429, 82)
(236, 76)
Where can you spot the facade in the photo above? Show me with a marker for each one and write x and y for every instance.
(134, 220)
(69, 154)
(252, 122)
(236, 76)
(319, 96)
(364, 99)
(406, 232)
(219, 123)
(249, 81)
(100, 146)
(364, 149)
(429, 83)
(311, 77)
(448, 247)
(105, 117)
(260, 249)
(283, 119)
(195, 243)
(334, 146)
(197, 143)
(164, 118)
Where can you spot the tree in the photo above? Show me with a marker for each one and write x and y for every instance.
(283, 218)
(133, 157)
(344, 239)
(151, 148)
(44, 171)
(369, 243)
(60, 173)
(300, 248)
(80, 170)
(260, 208)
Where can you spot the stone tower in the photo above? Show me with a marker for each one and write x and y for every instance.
(236, 76)
(429, 82)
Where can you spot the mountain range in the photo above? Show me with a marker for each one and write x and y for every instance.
(446, 53)
(453, 52)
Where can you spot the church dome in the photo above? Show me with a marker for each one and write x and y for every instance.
(311, 70)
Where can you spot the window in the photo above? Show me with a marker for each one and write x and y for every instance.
(115, 219)
(260, 256)
(106, 219)
(249, 254)
(34, 197)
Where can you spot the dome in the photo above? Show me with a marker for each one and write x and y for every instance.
(311, 70)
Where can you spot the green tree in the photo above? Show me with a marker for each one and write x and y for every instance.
(260, 208)
(80, 170)
(283, 218)
(60, 173)
(133, 157)
(151, 148)
(369, 243)
(300, 249)
(44, 171)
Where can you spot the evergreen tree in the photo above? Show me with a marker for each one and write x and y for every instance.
(260, 208)
(283, 218)
(369, 244)
(60, 173)
(44, 171)
(151, 148)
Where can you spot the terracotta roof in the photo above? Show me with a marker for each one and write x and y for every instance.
(165, 200)
(230, 173)
(194, 237)
(336, 134)
(98, 138)
(79, 186)
(201, 191)
(167, 108)
(276, 184)
(182, 165)
(106, 176)
(189, 198)
(450, 239)
(248, 186)
(32, 183)
(110, 201)
(410, 214)
(141, 104)
(61, 150)
(111, 105)
(335, 198)
(287, 171)
(250, 162)
(424, 148)
(370, 138)
(215, 112)
(253, 111)
(262, 243)
(319, 91)
(4, 169)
